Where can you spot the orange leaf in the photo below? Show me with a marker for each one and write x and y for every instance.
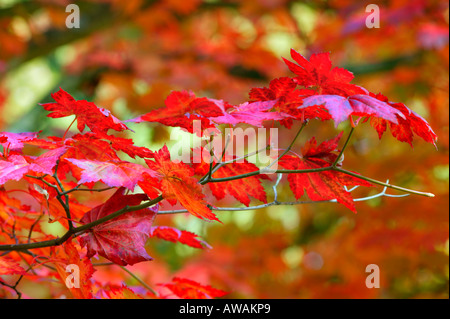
(179, 184)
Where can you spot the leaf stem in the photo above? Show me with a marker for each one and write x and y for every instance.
(143, 283)
(64, 136)
(289, 147)
(341, 153)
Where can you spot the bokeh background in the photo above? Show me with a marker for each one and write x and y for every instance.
(128, 55)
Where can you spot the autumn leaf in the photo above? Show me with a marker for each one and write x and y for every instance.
(240, 189)
(15, 141)
(127, 146)
(121, 239)
(46, 162)
(179, 184)
(89, 146)
(411, 123)
(13, 169)
(288, 100)
(112, 173)
(250, 113)
(317, 73)
(9, 209)
(16, 166)
(9, 266)
(87, 113)
(277, 88)
(323, 185)
(175, 235)
(122, 292)
(181, 109)
(84, 269)
(189, 289)
(341, 108)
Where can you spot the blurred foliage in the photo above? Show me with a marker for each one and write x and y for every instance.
(128, 55)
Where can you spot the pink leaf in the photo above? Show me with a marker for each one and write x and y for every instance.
(340, 108)
(175, 235)
(15, 141)
(113, 173)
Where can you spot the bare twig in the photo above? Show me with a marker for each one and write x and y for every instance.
(275, 202)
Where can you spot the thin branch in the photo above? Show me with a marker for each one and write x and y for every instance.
(338, 159)
(13, 287)
(77, 189)
(374, 181)
(211, 157)
(321, 169)
(59, 196)
(41, 178)
(286, 203)
(143, 283)
(274, 187)
(243, 157)
(219, 163)
(219, 160)
(289, 147)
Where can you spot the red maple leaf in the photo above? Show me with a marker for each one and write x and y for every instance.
(325, 185)
(16, 166)
(240, 189)
(406, 127)
(179, 184)
(175, 235)
(277, 88)
(87, 113)
(85, 270)
(288, 100)
(122, 292)
(9, 266)
(127, 146)
(89, 146)
(189, 289)
(181, 109)
(317, 73)
(249, 113)
(120, 239)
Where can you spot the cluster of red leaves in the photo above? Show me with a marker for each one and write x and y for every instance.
(326, 93)
(322, 185)
(317, 91)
